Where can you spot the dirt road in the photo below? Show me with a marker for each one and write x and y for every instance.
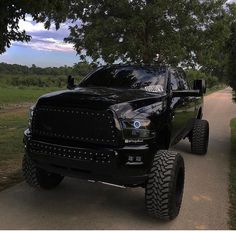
(77, 204)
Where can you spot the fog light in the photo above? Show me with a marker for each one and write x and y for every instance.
(134, 160)
(130, 158)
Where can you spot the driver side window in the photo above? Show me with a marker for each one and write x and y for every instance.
(182, 82)
(174, 81)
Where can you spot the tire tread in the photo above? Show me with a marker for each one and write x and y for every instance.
(200, 137)
(159, 184)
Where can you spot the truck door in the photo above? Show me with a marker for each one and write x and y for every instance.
(183, 109)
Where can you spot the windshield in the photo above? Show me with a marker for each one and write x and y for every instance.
(149, 79)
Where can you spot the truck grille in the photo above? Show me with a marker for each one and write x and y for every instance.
(72, 124)
(80, 154)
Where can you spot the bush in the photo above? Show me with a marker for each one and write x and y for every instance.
(19, 75)
(34, 80)
(211, 81)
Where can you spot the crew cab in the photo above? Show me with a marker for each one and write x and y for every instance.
(116, 126)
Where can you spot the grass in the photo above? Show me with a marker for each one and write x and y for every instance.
(15, 95)
(13, 122)
(232, 188)
(12, 125)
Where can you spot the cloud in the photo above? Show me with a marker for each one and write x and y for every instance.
(30, 27)
(3, 54)
(47, 44)
(29, 18)
(43, 39)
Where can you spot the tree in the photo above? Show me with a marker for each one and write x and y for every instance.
(12, 11)
(187, 32)
(138, 30)
(10, 14)
(81, 69)
(231, 47)
(232, 57)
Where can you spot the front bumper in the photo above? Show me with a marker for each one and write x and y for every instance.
(98, 164)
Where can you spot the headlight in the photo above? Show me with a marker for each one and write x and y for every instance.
(136, 123)
(136, 130)
(31, 113)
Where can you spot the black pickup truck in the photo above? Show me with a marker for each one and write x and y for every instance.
(116, 127)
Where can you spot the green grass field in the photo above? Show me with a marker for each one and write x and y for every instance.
(14, 95)
(12, 126)
(232, 189)
(13, 122)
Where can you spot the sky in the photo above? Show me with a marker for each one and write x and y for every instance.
(46, 48)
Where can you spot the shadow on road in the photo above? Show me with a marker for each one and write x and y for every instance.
(81, 199)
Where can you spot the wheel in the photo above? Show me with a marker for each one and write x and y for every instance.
(165, 185)
(37, 177)
(200, 137)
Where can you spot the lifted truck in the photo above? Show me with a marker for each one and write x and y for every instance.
(116, 126)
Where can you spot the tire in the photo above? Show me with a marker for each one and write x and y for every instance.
(165, 185)
(200, 137)
(37, 177)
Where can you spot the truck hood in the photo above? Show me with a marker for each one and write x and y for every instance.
(119, 100)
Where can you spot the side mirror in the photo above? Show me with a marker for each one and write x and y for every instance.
(200, 85)
(186, 93)
(70, 82)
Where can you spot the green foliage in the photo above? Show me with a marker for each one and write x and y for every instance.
(11, 130)
(136, 31)
(213, 59)
(12, 125)
(11, 11)
(16, 95)
(211, 81)
(10, 14)
(233, 176)
(231, 45)
(19, 75)
(129, 31)
(80, 69)
(33, 80)
(187, 32)
(20, 83)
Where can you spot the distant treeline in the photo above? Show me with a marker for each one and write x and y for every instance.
(80, 69)
(20, 75)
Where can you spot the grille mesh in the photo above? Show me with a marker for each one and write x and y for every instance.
(75, 124)
(81, 154)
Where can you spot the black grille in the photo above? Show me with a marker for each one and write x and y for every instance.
(80, 154)
(75, 124)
